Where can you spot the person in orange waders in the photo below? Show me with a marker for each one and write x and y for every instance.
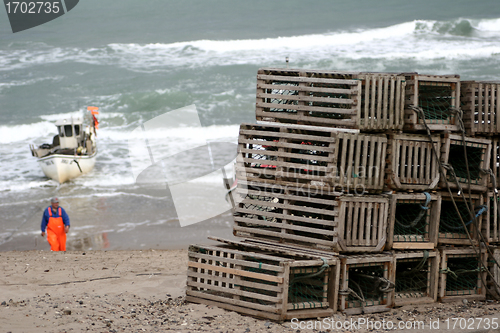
(56, 221)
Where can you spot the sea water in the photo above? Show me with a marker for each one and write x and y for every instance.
(137, 60)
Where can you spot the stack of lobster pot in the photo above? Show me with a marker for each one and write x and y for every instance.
(439, 176)
(350, 197)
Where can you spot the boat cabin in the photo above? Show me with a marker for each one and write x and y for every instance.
(71, 132)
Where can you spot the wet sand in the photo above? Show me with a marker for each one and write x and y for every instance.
(142, 218)
(143, 291)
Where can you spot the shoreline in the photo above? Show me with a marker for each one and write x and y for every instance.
(144, 290)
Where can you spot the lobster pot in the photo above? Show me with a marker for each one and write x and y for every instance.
(476, 158)
(312, 218)
(412, 163)
(294, 155)
(366, 283)
(451, 228)
(491, 223)
(416, 276)
(495, 162)
(437, 96)
(462, 273)
(480, 103)
(365, 101)
(262, 283)
(495, 269)
(413, 221)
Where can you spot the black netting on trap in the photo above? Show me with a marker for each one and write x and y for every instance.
(475, 157)
(251, 281)
(340, 95)
(462, 275)
(313, 157)
(257, 206)
(264, 159)
(411, 221)
(435, 99)
(282, 89)
(450, 222)
(367, 285)
(412, 277)
(308, 287)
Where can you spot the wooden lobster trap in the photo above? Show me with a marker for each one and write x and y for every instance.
(416, 276)
(491, 224)
(495, 162)
(263, 280)
(365, 101)
(437, 96)
(462, 274)
(474, 160)
(288, 154)
(451, 228)
(310, 217)
(413, 221)
(366, 283)
(411, 162)
(480, 102)
(494, 268)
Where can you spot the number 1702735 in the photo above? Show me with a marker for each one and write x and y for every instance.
(32, 7)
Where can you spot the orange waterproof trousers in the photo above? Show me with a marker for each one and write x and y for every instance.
(55, 232)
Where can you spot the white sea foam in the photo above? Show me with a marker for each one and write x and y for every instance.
(19, 168)
(488, 25)
(14, 133)
(420, 40)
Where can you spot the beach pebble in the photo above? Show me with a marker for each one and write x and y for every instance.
(67, 311)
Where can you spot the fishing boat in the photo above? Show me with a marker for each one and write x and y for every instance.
(73, 150)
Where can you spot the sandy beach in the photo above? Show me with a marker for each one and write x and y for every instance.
(143, 291)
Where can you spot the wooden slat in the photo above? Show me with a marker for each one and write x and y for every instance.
(304, 79)
(297, 89)
(285, 236)
(224, 300)
(254, 275)
(263, 85)
(305, 98)
(287, 226)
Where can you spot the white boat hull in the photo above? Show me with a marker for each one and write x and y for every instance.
(62, 168)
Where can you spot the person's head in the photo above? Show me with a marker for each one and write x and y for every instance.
(54, 202)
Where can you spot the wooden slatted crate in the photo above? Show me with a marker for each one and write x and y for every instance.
(307, 216)
(480, 102)
(495, 269)
(437, 96)
(288, 154)
(451, 230)
(365, 101)
(491, 224)
(495, 161)
(416, 276)
(413, 221)
(267, 282)
(478, 162)
(411, 162)
(462, 274)
(365, 283)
